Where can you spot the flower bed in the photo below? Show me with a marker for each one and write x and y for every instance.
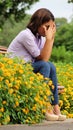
(23, 94)
(65, 77)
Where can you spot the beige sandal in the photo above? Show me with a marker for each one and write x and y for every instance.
(51, 117)
(61, 117)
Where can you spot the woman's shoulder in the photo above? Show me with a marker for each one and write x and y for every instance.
(27, 32)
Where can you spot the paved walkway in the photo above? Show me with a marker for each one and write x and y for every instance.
(46, 125)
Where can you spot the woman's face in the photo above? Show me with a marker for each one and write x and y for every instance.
(41, 29)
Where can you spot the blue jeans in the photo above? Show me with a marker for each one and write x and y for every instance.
(47, 69)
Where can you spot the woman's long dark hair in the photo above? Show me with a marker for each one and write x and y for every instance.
(40, 17)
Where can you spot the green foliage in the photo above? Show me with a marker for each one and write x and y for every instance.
(70, 1)
(60, 21)
(64, 36)
(14, 7)
(23, 100)
(11, 29)
(60, 54)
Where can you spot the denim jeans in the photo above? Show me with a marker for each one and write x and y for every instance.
(47, 69)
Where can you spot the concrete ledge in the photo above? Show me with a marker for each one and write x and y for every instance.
(47, 125)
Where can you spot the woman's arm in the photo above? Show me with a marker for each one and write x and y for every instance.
(47, 49)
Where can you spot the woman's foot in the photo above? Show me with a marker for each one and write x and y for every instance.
(51, 117)
(58, 113)
(61, 117)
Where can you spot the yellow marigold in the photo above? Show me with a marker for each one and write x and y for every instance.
(34, 108)
(48, 92)
(7, 81)
(30, 82)
(16, 87)
(26, 83)
(18, 82)
(2, 109)
(60, 103)
(50, 83)
(31, 78)
(70, 115)
(0, 114)
(25, 110)
(11, 91)
(40, 102)
(44, 84)
(21, 71)
(1, 65)
(0, 86)
(7, 119)
(4, 102)
(41, 92)
(52, 86)
(7, 74)
(36, 98)
(45, 97)
(29, 118)
(1, 78)
(43, 110)
(18, 96)
(12, 79)
(16, 103)
(27, 121)
(10, 61)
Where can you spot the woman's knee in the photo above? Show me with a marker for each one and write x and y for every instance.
(53, 68)
(45, 64)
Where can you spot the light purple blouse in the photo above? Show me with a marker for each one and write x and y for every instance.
(26, 46)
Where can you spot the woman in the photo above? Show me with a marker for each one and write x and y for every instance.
(34, 44)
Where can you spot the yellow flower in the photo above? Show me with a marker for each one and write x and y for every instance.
(50, 83)
(60, 103)
(11, 91)
(16, 87)
(26, 83)
(40, 102)
(27, 121)
(45, 97)
(0, 86)
(0, 114)
(1, 65)
(7, 119)
(2, 109)
(44, 84)
(36, 98)
(18, 96)
(52, 86)
(48, 92)
(43, 110)
(31, 78)
(10, 61)
(4, 102)
(12, 79)
(25, 110)
(16, 103)
(1, 78)
(34, 108)
(7, 81)
(21, 71)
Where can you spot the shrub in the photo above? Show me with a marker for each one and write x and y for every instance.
(23, 94)
(60, 54)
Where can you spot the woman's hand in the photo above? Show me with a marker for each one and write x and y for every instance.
(50, 31)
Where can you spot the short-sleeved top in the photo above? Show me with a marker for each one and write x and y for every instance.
(26, 46)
